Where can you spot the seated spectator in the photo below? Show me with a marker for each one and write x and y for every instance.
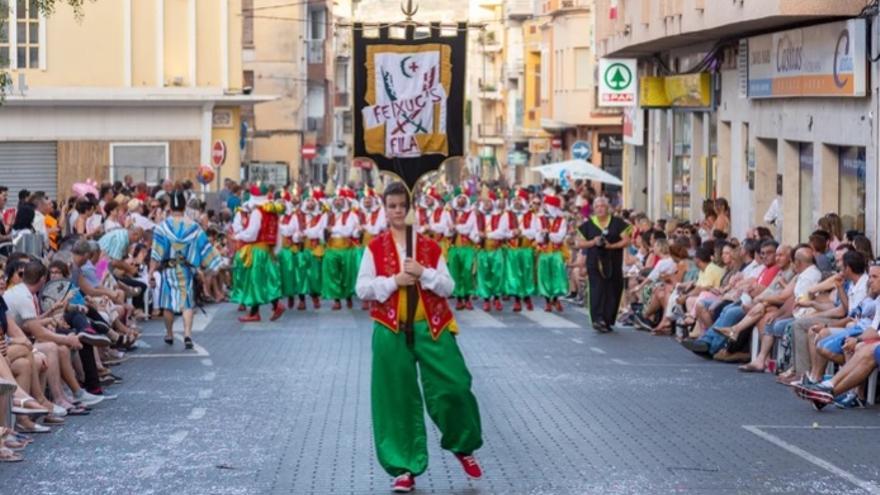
(865, 358)
(713, 340)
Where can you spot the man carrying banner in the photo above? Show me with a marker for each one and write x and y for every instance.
(490, 259)
(520, 259)
(463, 252)
(314, 222)
(552, 277)
(338, 259)
(261, 275)
(404, 356)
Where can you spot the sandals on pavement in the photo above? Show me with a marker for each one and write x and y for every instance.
(750, 368)
(7, 455)
(20, 406)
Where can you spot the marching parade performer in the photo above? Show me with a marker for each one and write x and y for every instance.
(261, 275)
(552, 278)
(398, 407)
(180, 247)
(338, 260)
(440, 225)
(313, 220)
(373, 223)
(496, 226)
(289, 253)
(424, 207)
(239, 222)
(463, 252)
(520, 259)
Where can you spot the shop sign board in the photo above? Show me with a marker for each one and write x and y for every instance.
(828, 60)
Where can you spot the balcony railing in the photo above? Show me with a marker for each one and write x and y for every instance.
(315, 51)
(491, 130)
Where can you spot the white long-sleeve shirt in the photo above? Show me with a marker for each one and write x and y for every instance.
(444, 225)
(236, 222)
(370, 287)
(252, 231)
(316, 231)
(379, 226)
(530, 231)
(288, 228)
(469, 228)
(503, 231)
(554, 237)
(344, 227)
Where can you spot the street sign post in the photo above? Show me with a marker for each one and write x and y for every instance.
(618, 84)
(218, 153)
(309, 151)
(581, 150)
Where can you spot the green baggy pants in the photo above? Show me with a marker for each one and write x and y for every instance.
(398, 411)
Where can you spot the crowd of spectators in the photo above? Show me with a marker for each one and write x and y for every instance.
(766, 306)
(75, 286)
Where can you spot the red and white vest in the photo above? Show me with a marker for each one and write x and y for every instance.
(387, 262)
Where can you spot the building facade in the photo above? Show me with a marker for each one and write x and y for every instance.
(760, 102)
(147, 88)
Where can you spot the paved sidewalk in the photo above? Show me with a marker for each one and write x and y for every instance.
(283, 408)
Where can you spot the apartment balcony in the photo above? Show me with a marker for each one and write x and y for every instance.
(490, 91)
(645, 27)
(554, 7)
(491, 133)
(518, 9)
(513, 70)
(315, 51)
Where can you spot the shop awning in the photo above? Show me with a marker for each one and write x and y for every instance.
(577, 169)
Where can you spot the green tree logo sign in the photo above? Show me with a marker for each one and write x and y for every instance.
(618, 77)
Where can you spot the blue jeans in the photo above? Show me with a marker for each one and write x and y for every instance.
(731, 315)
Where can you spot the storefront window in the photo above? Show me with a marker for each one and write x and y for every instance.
(805, 215)
(681, 165)
(851, 189)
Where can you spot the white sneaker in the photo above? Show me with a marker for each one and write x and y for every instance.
(58, 411)
(107, 396)
(88, 399)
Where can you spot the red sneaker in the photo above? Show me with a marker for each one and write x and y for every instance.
(469, 305)
(548, 308)
(250, 318)
(559, 306)
(529, 305)
(278, 312)
(487, 306)
(517, 307)
(301, 306)
(316, 302)
(470, 465)
(241, 307)
(336, 306)
(459, 305)
(349, 304)
(498, 306)
(404, 483)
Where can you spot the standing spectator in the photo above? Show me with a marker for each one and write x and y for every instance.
(604, 236)
(832, 224)
(722, 220)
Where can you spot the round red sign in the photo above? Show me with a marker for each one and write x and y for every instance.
(309, 151)
(218, 153)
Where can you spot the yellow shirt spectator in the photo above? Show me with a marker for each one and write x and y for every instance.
(710, 278)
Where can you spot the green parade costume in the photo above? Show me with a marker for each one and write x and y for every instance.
(432, 359)
(490, 270)
(552, 277)
(339, 264)
(463, 252)
(260, 276)
(520, 261)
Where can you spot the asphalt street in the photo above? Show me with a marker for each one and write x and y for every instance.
(283, 408)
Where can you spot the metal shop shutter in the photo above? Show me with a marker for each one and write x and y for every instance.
(31, 166)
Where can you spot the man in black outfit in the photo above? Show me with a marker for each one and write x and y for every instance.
(604, 236)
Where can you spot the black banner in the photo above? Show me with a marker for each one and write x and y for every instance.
(409, 99)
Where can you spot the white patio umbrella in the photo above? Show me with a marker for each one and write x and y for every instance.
(577, 169)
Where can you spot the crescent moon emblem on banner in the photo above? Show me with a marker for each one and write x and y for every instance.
(403, 66)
